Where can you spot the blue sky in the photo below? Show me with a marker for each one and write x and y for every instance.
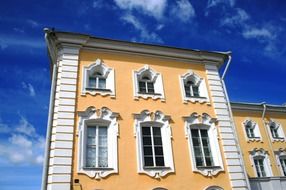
(253, 30)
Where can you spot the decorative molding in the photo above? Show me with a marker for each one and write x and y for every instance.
(198, 81)
(161, 120)
(204, 121)
(213, 188)
(93, 116)
(108, 74)
(155, 77)
(256, 131)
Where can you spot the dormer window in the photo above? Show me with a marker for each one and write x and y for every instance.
(148, 84)
(98, 79)
(193, 88)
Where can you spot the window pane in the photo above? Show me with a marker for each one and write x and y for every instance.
(157, 141)
(142, 86)
(101, 83)
(147, 141)
(91, 157)
(209, 161)
(146, 130)
(150, 86)
(195, 132)
(160, 161)
(187, 90)
(199, 161)
(148, 151)
(156, 131)
(91, 134)
(92, 82)
(196, 91)
(283, 165)
(148, 161)
(158, 150)
(204, 132)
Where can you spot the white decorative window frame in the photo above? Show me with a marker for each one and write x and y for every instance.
(280, 153)
(108, 74)
(149, 118)
(280, 130)
(213, 187)
(155, 77)
(256, 153)
(200, 82)
(93, 116)
(204, 121)
(256, 130)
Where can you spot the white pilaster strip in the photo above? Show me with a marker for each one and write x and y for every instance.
(60, 158)
(231, 152)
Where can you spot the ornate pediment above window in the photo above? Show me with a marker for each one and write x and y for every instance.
(97, 126)
(97, 78)
(193, 88)
(148, 84)
(199, 128)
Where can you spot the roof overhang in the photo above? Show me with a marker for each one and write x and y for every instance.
(257, 107)
(58, 39)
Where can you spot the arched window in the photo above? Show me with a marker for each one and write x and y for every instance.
(276, 131)
(98, 79)
(148, 84)
(193, 88)
(214, 188)
(281, 160)
(251, 130)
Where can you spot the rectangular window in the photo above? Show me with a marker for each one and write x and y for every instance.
(201, 147)
(187, 90)
(152, 146)
(283, 165)
(259, 166)
(96, 147)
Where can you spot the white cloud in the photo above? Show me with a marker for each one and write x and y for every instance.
(20, 140)
(155, 8)
(144, 34)
(237, 19)
(213, 3)
(258, 33)
(21, 147)
(32, 23)
(30, 88)
(25, 127)
(183, 10)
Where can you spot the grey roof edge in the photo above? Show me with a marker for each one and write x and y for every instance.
(89, 42)
(247, 106)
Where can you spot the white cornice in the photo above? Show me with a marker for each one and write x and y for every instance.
(89, 42)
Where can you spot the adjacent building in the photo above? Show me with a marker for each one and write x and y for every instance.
(136, 116)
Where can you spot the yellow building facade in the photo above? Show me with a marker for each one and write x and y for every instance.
(136, 116)
(260, 129)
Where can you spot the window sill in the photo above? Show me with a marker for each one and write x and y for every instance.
(195, 99)
(152, 94)
(98, 89)
(156, 168)
(96, 169)
(208, 170)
